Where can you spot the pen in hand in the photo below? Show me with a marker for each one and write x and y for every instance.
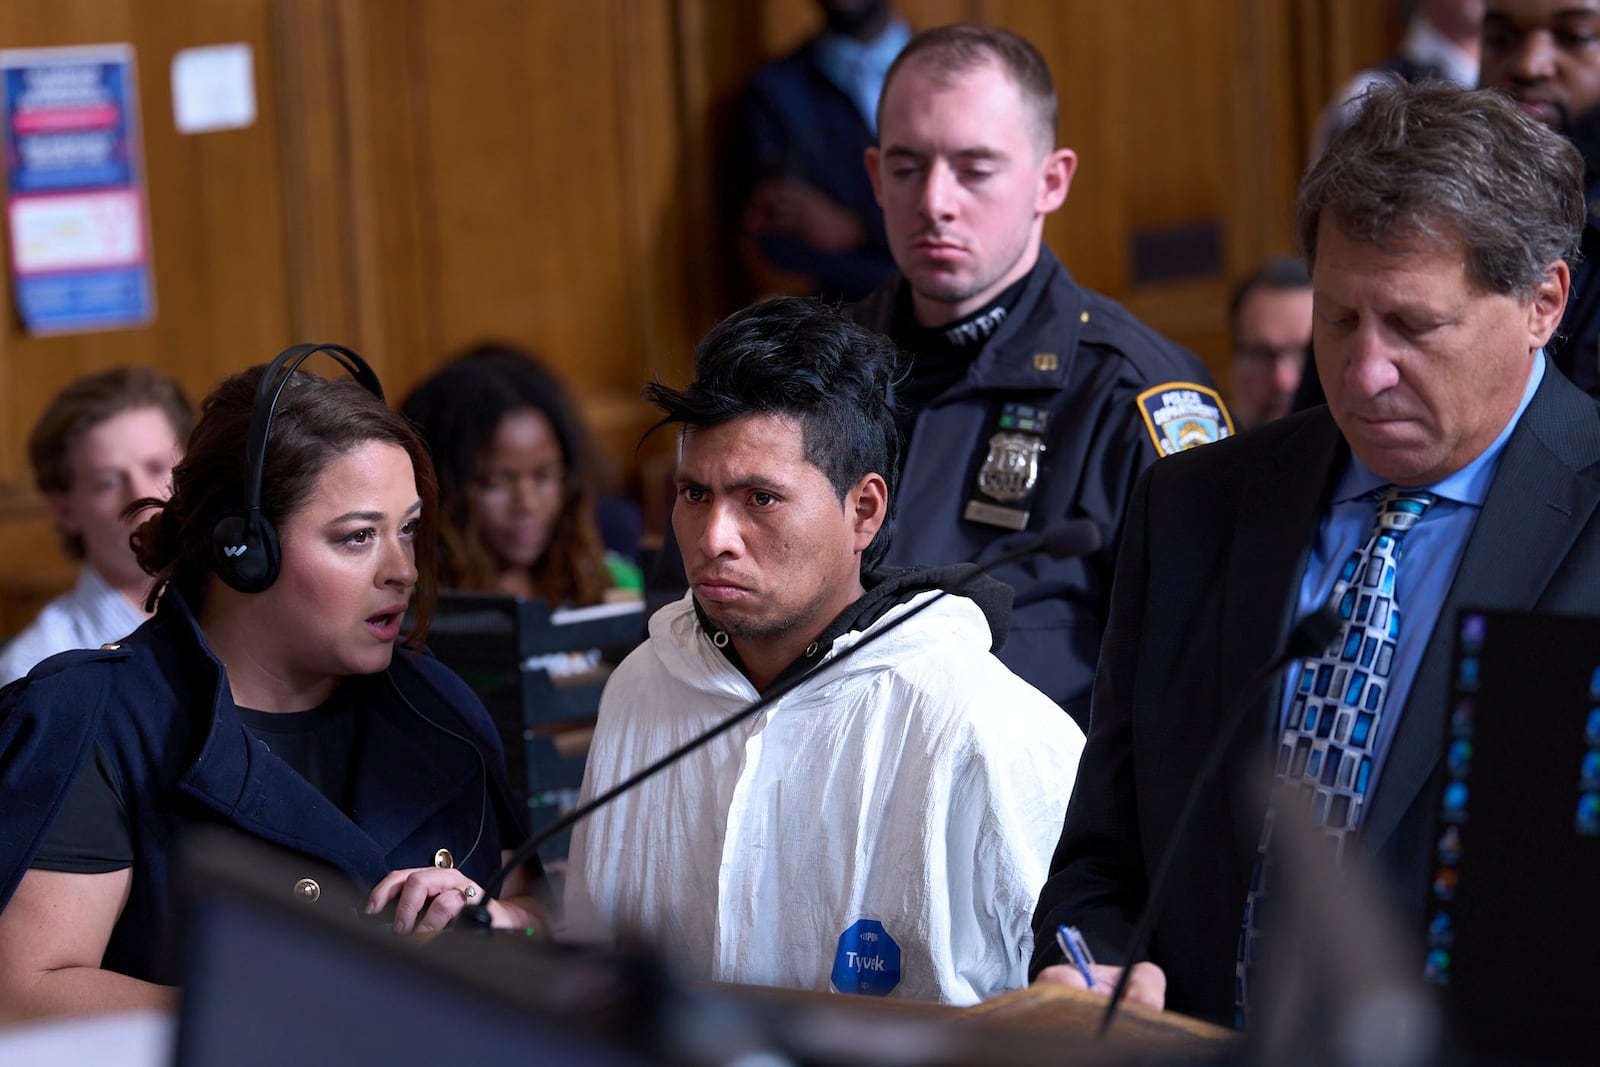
(1076, 949)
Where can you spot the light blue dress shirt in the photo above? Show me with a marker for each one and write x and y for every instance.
(858, 67)
(1430, 555)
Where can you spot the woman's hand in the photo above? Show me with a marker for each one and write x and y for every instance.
(427, 899)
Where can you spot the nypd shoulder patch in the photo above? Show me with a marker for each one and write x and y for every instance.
(1181, 415)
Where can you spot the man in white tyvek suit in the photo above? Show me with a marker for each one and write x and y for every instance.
(884, 827)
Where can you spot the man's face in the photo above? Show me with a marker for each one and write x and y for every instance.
(1422, 367)
(1271, 337)
(771, 553)
(965, 183)
(125, 458)
(1546, 53)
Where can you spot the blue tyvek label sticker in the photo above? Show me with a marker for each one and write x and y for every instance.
(868, 960)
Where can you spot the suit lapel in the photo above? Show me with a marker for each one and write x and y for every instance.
(1273, 529)
(406, 771)
(238, 777)
(425, 769)
(1545, 491)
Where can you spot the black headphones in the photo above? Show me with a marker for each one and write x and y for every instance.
(244, 546)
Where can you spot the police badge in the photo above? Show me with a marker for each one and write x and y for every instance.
(1010, 471)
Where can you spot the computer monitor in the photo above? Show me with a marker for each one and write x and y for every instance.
(492, 631)
(540, 673)
(1514, 906)
(271, 979)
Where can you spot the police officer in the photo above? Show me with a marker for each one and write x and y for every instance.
(1029, 400)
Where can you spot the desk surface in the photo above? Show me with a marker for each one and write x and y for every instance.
(1048, 1009)
(145, 1039)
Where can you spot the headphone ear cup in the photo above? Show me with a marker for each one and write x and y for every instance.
(244, 554)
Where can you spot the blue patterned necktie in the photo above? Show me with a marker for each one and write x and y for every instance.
(1325, 757)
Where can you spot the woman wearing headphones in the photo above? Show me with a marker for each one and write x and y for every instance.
(266, 695)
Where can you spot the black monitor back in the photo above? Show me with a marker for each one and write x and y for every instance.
(272, 979)
(510, 650)
(1515, 893)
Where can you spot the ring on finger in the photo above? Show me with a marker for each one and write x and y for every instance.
(470, 892)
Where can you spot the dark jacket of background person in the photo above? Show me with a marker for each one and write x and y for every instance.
(793, 122)
(1575, 348)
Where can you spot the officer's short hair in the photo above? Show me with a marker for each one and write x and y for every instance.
(1433, 162)
(945, 53)
(801, 359)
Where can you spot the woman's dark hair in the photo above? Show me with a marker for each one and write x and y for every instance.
(316, 421)
(457, 412)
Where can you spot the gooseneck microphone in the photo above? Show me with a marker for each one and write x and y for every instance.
(1309, 637)
(1068, 540)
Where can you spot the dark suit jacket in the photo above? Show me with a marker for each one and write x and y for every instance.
(1204, 596)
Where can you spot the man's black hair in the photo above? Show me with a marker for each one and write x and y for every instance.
(803, 360)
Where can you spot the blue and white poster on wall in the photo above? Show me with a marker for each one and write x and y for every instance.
(75, 196)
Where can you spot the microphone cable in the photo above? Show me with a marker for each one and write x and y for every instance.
(1076, 537)
(1308, 638)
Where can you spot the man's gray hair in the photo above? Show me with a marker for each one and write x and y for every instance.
(1443, 164)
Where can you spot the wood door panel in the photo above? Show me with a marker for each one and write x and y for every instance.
(216, 237)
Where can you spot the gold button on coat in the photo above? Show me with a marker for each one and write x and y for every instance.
(308, 890)
(443, 859)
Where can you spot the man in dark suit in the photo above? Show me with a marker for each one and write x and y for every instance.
(1440, 228)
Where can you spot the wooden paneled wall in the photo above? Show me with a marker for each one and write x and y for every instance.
(216, 207)
(426, 173)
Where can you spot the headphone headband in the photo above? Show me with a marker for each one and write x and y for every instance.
(244, 545)
(273, 381)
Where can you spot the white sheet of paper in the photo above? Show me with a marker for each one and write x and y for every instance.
(214, 88)
(93, 230)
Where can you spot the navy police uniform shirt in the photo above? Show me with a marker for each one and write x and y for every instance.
(1066, 402)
